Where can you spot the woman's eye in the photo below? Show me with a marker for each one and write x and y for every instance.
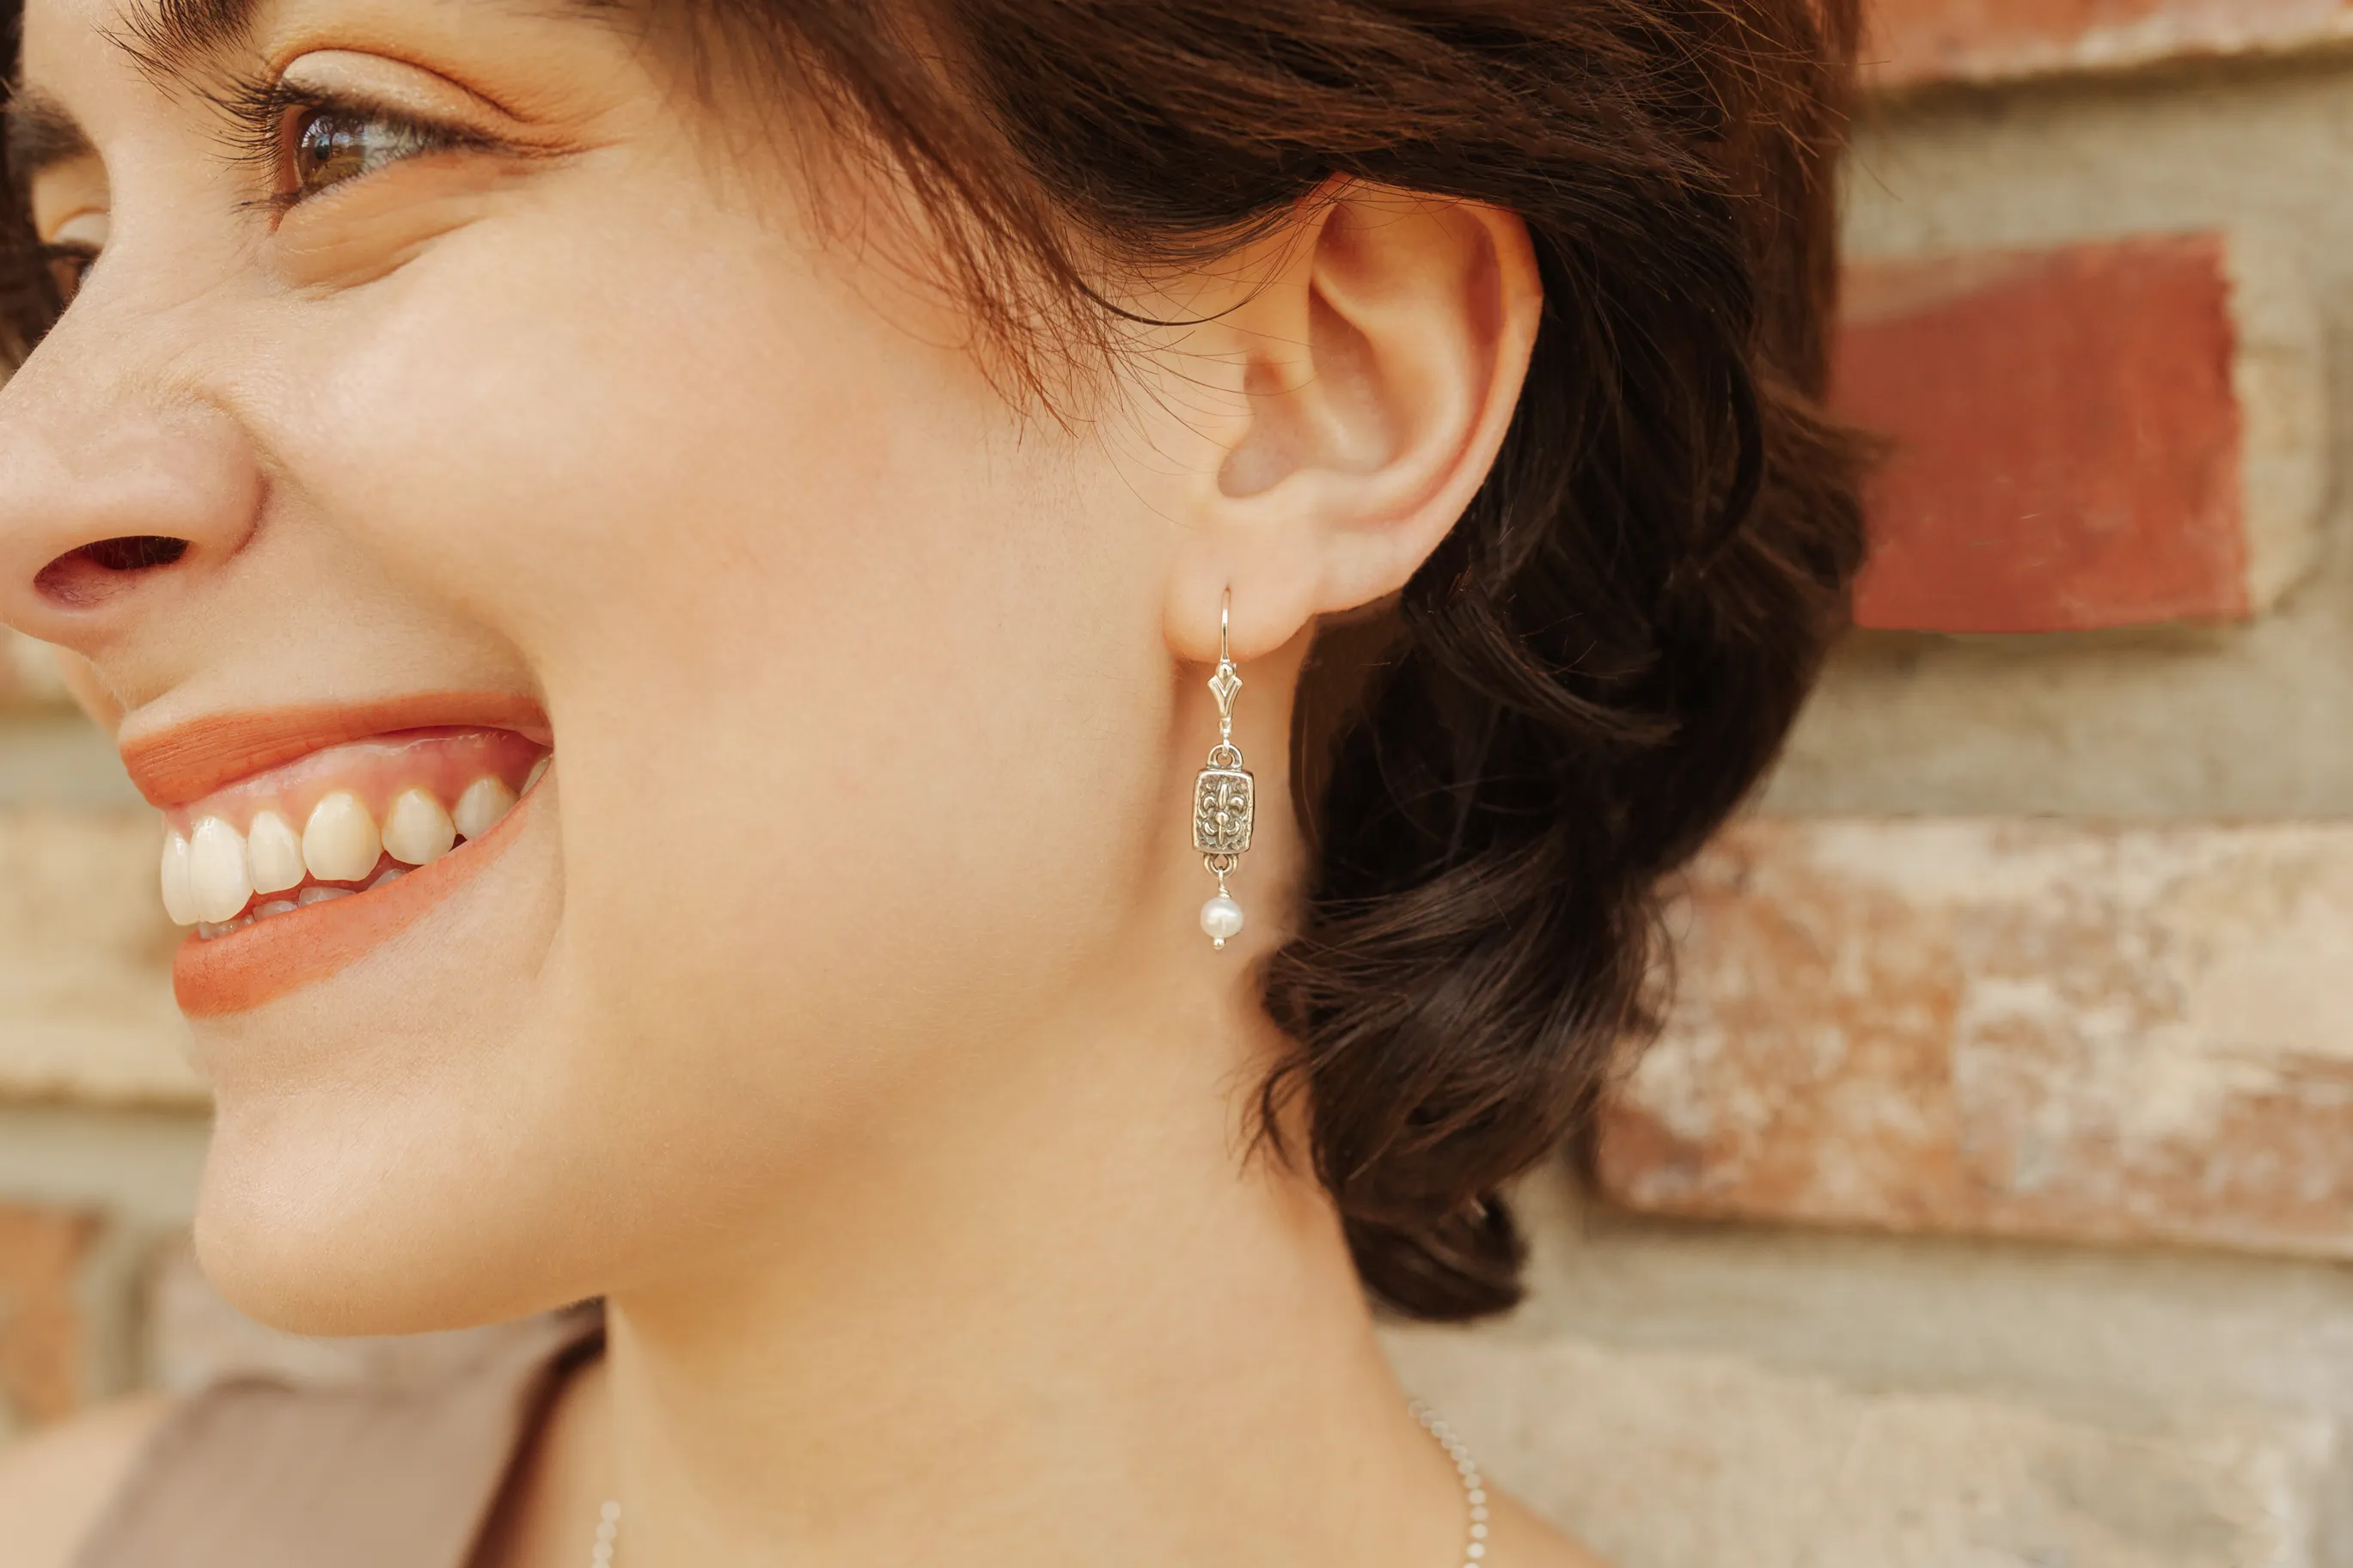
(71, 249)
(333, 145)
(67, 264)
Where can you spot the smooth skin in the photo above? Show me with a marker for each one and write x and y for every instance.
(840, 1015)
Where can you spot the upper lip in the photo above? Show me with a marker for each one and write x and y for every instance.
(184, 764)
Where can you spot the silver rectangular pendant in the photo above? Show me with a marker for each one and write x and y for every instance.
(1224, 800)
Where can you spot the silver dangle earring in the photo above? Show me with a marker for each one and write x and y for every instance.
(1225, 797)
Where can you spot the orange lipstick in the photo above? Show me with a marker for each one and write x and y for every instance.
(271, 958)
(268, 958)
(187, 762)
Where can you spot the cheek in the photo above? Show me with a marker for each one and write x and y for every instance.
(856, 679)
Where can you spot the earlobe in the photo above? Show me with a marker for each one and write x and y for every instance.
(1381, 353)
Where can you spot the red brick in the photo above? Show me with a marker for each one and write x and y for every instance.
(2023, 1028)
(2067, 438)
(42, 1337)
(1917, 42)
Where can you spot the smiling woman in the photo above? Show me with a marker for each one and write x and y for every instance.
(673, 570)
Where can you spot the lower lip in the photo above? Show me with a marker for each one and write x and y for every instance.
(269, 959)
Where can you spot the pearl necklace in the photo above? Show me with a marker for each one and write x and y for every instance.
(1474, 1495)
(1474, 1488)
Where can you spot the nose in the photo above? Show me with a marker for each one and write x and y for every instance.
(105, 502)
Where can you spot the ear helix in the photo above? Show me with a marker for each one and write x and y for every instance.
(1224, 797)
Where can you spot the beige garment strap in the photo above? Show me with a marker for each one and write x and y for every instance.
(261, 1475)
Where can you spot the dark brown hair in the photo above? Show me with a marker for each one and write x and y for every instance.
(1605, 654)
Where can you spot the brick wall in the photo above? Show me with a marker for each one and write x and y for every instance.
(101, 1124)
(1991, 1189)
(1928, 43)
(1987, 1201)
(1989, 1196)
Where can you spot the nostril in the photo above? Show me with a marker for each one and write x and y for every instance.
(96, 572)
(133, 554)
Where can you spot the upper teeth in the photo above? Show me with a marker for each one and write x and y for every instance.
(341, 844)
(212, 873)
(485, 801)
(179, 884)
(417, 830)
(274, 854)
(217, 871)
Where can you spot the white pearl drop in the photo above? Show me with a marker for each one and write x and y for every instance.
(1222, 918)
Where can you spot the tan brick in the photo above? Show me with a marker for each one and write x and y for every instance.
(1693, 1459)
(2108, 1033)
(42, 1336)
(86, 1008)
(1917, 43)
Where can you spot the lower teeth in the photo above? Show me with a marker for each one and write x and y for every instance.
(316, 893)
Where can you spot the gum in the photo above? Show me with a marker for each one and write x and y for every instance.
(443, 761)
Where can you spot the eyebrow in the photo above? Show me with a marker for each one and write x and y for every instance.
(39, 134)
(173, 38)
(169, 39)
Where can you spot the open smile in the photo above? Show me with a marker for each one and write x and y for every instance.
(300, 840)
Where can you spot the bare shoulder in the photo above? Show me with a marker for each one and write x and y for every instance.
(1525, 1539)
(53, 1486)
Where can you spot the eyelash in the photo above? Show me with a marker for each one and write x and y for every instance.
(266, 117)
(55, 256)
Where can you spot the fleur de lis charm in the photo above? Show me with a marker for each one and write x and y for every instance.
(1222, 809)
(1225, 797)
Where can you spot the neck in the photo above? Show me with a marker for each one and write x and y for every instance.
(1050, 1320)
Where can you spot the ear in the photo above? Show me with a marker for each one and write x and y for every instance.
(1370, 361)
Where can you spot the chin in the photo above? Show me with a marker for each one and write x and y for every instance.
(385, 1160)
(325, 1220)
(379, 1057)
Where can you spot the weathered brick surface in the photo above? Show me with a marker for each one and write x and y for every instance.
(2029, 1029)
(2104, 435)
(1678, 1459)
(42, 1338)
(86, 1008)
(1917, 43)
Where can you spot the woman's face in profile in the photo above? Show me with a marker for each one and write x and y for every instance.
(507, 406)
